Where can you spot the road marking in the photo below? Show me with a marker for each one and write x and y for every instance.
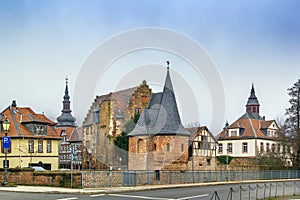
(71, 198)
(139, 197)
(97, 195)
(192, 197)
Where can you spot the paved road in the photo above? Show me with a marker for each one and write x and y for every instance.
(201, 193)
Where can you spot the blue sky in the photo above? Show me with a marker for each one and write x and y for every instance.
(249, 41)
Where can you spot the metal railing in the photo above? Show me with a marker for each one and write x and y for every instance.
(260, 191)
(135, 178)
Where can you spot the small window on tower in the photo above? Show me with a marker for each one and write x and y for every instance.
(168, 147)
(137, 111)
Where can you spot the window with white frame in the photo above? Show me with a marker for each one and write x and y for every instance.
(30, 146)
(40, 146)
(220, 149)
(229, 148)
(49, 146)
(245, 147)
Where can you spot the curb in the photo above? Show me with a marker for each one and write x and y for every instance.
(114, 190)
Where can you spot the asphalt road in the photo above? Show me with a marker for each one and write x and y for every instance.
(201, 193)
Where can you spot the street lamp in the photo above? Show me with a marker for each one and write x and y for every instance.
(6, 125)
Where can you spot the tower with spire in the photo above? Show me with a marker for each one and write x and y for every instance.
(66, 119)
(159, 140)
(252, 106)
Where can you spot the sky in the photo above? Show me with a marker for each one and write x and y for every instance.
(42, 42)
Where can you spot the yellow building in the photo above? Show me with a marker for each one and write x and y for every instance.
(34, 141)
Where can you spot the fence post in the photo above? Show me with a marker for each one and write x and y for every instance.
(270, 191)
(294, 188)
(265, 190)
(230, 193)
(271, 174)
(249, 192)
(170, 177)
(276, 190)
(283, 189)
(241, 192)
(256, 195)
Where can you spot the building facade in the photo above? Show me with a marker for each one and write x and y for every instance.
(34, 140)
(202, 149)
(159, 140)
(106, 119)
(251, 135)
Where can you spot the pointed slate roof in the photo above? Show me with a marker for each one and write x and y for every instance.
(252, 107)
(252, 100)
(66, 119)
(162, 116)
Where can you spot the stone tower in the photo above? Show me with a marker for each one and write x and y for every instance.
(159, 140)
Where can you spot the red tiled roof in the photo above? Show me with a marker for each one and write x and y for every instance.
(69, 130)
(76, 135)
(121, 99)
(18, 117)
(252, 128)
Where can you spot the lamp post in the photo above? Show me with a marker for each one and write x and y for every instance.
(6, 125)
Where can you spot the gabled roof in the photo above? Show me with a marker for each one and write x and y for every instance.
(20, 116)
(121, 99)
(194, 131)
(76, 135)
(162, 116)
(248, 127)
(68, 131)
(28, 116)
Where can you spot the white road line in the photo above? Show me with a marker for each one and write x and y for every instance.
(71, 198)
(139, 197)
(97, 195)
(192, 197)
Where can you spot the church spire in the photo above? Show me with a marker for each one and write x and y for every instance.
(66, 119)
(252, 105)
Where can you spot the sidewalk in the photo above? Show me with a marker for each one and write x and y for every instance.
(104, 190)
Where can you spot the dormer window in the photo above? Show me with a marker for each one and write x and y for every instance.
(40, 129)
(233, 132)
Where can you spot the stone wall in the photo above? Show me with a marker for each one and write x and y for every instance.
(139, 99)
(166, 152)
(48, 178)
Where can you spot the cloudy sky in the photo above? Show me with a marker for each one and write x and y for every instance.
(248, 41)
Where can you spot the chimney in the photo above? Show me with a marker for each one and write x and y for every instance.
(14, 104)
(264, 118)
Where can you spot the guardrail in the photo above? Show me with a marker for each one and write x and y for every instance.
(267, 193)
(134, 178)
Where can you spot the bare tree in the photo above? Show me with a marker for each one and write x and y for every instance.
(292, 126)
